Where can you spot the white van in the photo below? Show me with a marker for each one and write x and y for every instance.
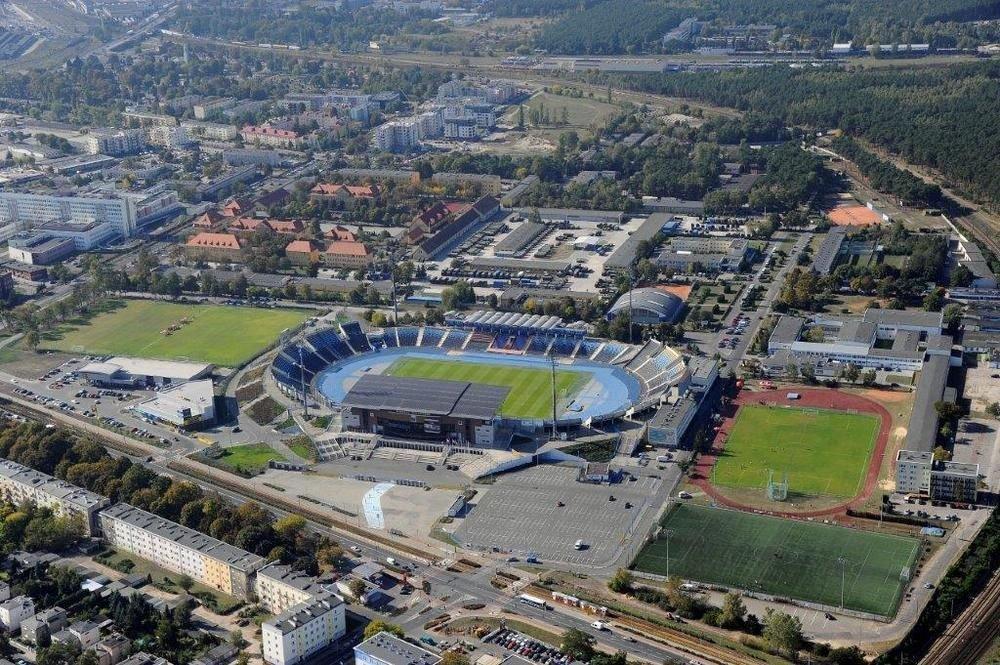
(599, 625)
(391, 561)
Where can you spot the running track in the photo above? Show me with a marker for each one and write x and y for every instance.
(809, 398)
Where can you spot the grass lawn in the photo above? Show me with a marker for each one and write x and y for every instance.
(218, 602)
(824, 453)
(530, 387)
(786, 558)
(250, 458)
(218, 334)
(581, 112)
(303, 447)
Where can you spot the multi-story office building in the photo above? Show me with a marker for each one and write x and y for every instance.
(386, 649)
(303, 630)
(180, 549)
(19, 483)
(124, 212)
(918, 473)
(279, 588)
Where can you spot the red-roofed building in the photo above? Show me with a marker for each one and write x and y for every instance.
(347, 194)
(302, 252)
(244, 225)
(434, 219)
(347, 254)
(340, 233)
(272, 136)
(210, 220)
(220, 247)
(236, 207)
(288, 227)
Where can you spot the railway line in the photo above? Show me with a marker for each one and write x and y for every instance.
(971, 633)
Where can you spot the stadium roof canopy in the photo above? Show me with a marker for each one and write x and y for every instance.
(649, 303)
(458, 399)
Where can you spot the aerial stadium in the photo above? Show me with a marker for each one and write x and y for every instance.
(478, 380)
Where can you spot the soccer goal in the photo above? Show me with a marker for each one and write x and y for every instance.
(777, 490)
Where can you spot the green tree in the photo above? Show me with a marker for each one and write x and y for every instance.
(357, 587)
(577, 645)
(621, 581)
(185, 582)
(32, 339)
(993, 410)
(377, 626)
(868, 378)
(733, 611)
(782, 631)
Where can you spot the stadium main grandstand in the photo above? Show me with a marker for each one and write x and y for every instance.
(478, 380)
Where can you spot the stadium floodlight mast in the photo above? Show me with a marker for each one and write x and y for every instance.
(666, 536)
(843, 578)
(302, 380)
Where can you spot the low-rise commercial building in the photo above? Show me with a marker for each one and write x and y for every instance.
(189, 405)
(179, 549)
(303, 630)
(387, 649)
(917, 472)
(39, 248)
(19, 483)
(120, 371)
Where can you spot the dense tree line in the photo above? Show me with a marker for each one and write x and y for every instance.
(87, 464)
(626, 26)
(946, 117)
(346, 27)
(886, 176)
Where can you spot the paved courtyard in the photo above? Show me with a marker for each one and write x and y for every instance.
(520, 515)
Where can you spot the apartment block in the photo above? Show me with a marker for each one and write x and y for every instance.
(180, 549)
(19, 483)
(14, 611)
(279, 588)
(387, 649)
(303, 630)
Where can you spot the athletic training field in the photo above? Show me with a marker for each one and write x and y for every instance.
(222, 335)
(530, 394)
(783, 557)
(824, 453)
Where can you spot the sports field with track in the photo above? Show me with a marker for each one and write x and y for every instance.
(530, 394)
(217, 334)
(782, 557)
(823, 452)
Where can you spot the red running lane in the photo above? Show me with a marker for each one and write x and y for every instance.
(813, 398)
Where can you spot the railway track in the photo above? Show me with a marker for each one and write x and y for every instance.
(981, 231)
(971, 633)
(684, 642)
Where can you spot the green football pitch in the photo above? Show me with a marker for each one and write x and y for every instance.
(530, 394)
(222, 335)
(824, 453)
(783, 557)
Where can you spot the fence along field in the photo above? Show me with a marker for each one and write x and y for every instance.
(801, 560)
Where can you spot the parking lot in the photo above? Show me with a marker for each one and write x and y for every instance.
(521, 515)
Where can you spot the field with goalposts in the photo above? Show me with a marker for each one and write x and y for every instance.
(822, 452)
(782, 557)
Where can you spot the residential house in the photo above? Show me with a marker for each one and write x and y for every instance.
(302, 252)
(349, 195)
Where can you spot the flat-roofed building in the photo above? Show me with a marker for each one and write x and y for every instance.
(39, 248)
(19, 483)
(133, 372)
(278, 587)
(303, 630)
(387, 649)
(179, 549)
(189, 405)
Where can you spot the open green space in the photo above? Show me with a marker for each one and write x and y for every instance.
(824, 453)
(580, 111)
(218, 334)
(530, 387)
(786, 558)
(126, 562)
(250, 458)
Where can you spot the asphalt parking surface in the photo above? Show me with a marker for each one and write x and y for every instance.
(520, 515)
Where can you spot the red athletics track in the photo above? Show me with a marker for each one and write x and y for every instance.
(810, 398)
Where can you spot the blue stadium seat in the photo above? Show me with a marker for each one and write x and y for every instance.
(432, 336)
(355, 336)
(390, 338)
(407, 335)
(455, 339)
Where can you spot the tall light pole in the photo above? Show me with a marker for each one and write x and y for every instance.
(302, 380)
(843, 578)
(666, 536)
(552, 362)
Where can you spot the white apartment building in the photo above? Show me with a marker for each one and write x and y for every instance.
(405, 133)
(116, 144)
(213, 131)
(279, 588)
(19, 484)
(170, 137)
(180, 549)
(303, 630)
(14, 611)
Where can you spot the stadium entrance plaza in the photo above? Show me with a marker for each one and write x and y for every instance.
(521, 515)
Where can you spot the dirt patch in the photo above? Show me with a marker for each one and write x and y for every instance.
(682, 291)
(853, 216)
(886, 396)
